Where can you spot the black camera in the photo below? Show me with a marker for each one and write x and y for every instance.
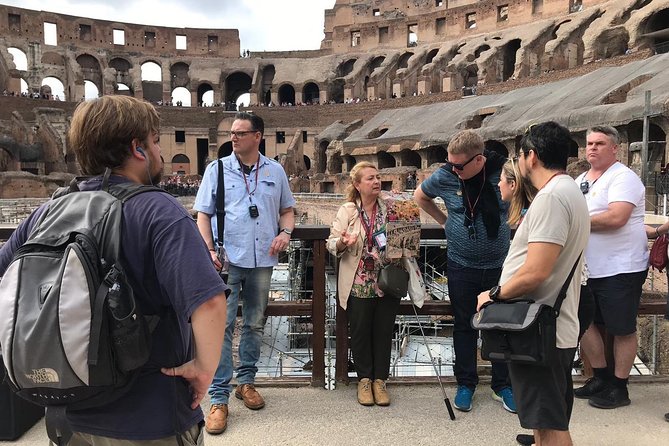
(585, 186)
(253, 211)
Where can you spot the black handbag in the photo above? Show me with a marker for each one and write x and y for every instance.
(393, 281)
(520, 330)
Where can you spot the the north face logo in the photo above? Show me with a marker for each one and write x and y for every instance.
(41, 376)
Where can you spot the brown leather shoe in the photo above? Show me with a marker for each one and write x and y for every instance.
(381, 397)
(250, 396)
(365, 396)
(217, 420)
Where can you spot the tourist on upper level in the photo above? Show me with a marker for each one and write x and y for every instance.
(259, 220)
(478, 240)
(357, 237)
(617, 257)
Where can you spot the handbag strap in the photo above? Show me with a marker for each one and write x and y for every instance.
(220, 204)
(563, 291)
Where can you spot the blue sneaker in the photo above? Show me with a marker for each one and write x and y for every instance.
(463, 399)
(505, 395)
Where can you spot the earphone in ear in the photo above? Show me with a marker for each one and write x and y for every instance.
(140, 150)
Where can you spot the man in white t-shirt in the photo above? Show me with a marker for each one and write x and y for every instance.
(547, 245)
(617, 257)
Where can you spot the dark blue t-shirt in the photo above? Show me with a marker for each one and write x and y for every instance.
(169, 268)
(481, 253)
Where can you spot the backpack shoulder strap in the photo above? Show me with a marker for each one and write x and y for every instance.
(125, 191)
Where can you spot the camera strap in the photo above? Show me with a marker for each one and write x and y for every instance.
(220, 204)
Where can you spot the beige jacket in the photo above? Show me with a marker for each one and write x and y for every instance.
(348, 219)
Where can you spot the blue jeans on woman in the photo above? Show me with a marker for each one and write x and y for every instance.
(251, 286)
(464, 286)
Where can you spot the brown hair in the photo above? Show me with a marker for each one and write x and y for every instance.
(102, 131)
(523, 194)
(351, 193)
(466, 142)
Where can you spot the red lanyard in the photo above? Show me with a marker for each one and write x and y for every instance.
(250, 192)
(369, 226)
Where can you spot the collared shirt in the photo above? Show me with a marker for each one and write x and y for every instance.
(247, 240)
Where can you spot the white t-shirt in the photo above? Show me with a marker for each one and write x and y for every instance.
(622, 250)
(557, 215)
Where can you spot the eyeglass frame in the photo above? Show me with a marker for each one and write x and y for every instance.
(241, 133)
(463, 165)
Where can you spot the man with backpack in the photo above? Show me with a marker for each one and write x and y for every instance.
(254, 220)
(161, 259)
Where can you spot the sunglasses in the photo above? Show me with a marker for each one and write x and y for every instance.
(462, 166)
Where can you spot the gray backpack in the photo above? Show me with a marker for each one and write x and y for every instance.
(71, 333)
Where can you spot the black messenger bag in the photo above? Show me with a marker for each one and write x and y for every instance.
(520, 330)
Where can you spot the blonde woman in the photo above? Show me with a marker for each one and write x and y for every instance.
(357, 237)
(516, 191)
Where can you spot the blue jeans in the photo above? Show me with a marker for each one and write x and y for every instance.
(251, 286)
(464, 286)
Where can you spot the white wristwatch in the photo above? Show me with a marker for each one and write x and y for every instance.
(287, 231)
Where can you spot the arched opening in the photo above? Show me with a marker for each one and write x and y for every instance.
(7, 160)
(267, 78)
(321, 156)
(236, 84)
(337, 91)
(122, 89)
(90, 69)
(205, 95)
(225, 149)
(179, 76)
(286, 95)
(24, 88)
(307, 161)
(243, 100)
(612, 42)
(479, 50)
(657, 31)
(181, 97)
(386, 160)
(52, 87)
(181, 164)
(509, 58)
(310, 93)
(91, 90)
(410, 157)
(436, 154)
(493, 145)
(345, 68)
(404, 60)
(376, 62)
(349, 161)
(431, 55)
(152, 82)
(20, 58)
(122, 67)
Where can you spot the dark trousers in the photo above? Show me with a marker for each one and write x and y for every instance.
(464, 286)
(371, 322)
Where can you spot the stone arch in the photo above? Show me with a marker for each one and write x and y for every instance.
(385, 160)
(179, 76)
(493, 145)
(376, 63)
(19, 57)
(336, 92)
(431, 55)
(310, 93)
(51, 58)
(410, 157)
(236, 84)
(610, 43)
(152, 81)
(180, 164)
(91, 91)
(657, 31)
(90, 69)
(51, 86)
(8, 160)
(436, 154)
(268, 73)
(205, 94)
(307, 162)
(345, 68)
(403, 61)
(349, 160)
(286, 94)
(181, 96)
(508, 56)
(122, 67)
(480, 49)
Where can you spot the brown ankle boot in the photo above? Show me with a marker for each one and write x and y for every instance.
(217, 420)
(381, 397)
(365, 396)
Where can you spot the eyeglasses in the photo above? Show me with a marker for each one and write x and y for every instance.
(462, 166)
(241, 133)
